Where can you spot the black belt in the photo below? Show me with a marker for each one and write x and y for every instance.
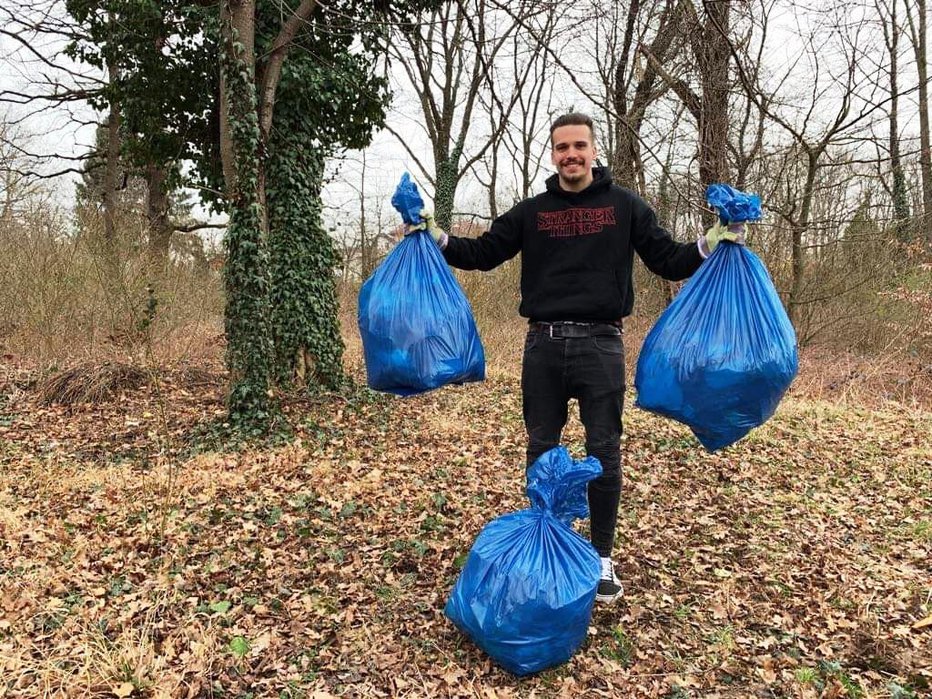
(575, 330)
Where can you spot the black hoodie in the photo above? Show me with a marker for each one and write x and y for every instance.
(577, 250)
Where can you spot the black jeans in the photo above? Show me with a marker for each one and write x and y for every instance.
(590, 369)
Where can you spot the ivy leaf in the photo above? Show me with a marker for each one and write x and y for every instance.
(239, 646)
(221, 607)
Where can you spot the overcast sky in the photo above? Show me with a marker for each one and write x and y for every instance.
(54, 131)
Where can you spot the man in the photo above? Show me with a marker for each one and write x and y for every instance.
(578, 241)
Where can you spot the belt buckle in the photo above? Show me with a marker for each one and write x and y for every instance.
(550, 329)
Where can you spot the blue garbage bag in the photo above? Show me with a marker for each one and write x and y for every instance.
(526, 592)
(721, 356)
(417, 327)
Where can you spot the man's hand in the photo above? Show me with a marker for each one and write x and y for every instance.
(734, 232)
(429, 224)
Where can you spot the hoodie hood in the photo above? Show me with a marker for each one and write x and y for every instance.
(601, 181)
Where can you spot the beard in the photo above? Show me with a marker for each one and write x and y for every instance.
(574, 176)
(580, 174)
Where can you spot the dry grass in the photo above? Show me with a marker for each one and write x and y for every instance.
(90, 383)
(96, 383)
(63, 302)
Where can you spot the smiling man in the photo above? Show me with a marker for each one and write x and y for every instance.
(573, 152)
(577, 240)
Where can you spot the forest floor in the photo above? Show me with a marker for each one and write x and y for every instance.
(142, 554)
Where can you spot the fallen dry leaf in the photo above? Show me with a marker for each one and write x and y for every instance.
(332, 554)
(125, 689)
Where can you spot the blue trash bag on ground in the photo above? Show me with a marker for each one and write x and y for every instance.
(721, 356)
(526, 592)
(417, 327)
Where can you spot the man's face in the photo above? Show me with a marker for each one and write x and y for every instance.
(573, 153)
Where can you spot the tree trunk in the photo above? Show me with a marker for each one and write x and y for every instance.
(664, 215)
(6, 216)
(900, 195)
(713, 57)
(246, 271)
(627, 141)
(240, 16)
(493, 185)
(308, 348)
(268, 76)
(112, 168)
(157, 209)
(925, 153)
(711, 51)
(366, 244)
(624, 170)
(447, 179)
(799, 230)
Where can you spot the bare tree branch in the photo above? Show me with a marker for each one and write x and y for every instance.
(196, 226)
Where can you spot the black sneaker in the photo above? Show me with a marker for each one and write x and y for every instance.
(610, 588)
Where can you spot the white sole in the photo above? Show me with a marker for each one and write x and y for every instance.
(608, 599)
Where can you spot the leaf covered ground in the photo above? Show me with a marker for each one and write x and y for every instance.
(142, 555)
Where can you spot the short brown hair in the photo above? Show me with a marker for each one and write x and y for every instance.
(572, 119)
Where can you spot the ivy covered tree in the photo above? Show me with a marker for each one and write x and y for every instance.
(315, 89)
(246, 272)
(327, 99)
(293, 87)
